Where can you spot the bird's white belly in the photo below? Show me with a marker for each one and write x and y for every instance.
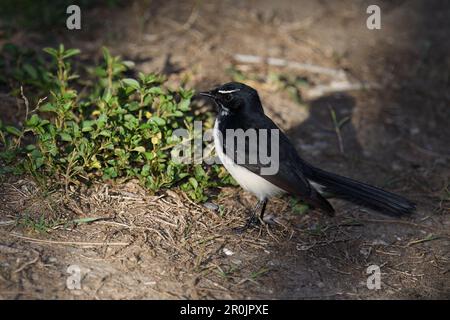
(246, 179)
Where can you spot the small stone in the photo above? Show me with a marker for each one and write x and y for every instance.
(211, 206)
(379, 242)
(228, 252)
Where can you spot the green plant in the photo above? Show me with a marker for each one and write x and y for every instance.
(228, 271)
(298, 207)
(103, 126)
(256, 274)
(41, 224)
(22, 66)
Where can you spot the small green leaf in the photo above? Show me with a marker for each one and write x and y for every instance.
(85, 220)
(145, 170)
(105, 133)
(30, 70)
(131, 83)
(128, 64)
(199, 172)
(65, 137)
(48, 107)
(13, 130)
(193, 182)
(33, 121)
(39, 162)
(184, 105)
(51, 51)
(106, 55)
(139, 149)
(100, 72)
(30, 147)
(133, 106)
(70, 52)
(107, 94)
(149, 155)
(87, 125)
(159, 121)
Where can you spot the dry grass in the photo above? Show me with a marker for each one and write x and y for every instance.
(139, 245)
(188, 238)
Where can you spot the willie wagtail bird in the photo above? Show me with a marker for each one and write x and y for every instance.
(239, 107)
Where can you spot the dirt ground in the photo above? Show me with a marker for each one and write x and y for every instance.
(392, 84)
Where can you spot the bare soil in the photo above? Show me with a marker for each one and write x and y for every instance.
(162, 246)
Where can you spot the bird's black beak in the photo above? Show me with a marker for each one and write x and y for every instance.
(208, 94)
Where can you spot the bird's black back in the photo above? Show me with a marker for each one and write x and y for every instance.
(291, 172)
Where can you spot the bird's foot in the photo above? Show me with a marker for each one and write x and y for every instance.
(255, 221)
(270, 219)
(251, 222)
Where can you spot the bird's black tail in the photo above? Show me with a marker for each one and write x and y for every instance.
(360, 193)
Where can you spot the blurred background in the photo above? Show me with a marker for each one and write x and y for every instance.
(400, 73)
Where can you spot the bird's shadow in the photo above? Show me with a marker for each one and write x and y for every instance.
(328, 133)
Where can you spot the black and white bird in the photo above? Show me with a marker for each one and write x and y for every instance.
(239, 107)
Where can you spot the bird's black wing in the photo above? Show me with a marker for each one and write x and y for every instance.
(290, 175)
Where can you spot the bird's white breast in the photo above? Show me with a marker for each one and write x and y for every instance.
(247, 179)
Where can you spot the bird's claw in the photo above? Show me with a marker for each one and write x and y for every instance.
(269, 219)
(252, 222)
(255, 221)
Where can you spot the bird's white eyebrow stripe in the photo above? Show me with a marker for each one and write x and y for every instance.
(228, 91)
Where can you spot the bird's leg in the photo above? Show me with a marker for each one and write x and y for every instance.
(263, 204)
(254, 218)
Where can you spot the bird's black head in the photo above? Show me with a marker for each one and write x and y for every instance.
(235, 97)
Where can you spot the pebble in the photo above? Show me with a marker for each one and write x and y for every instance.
(228, 252)
(211, 206)
(379, 242)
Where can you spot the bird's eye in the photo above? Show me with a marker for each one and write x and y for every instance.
(228, 98)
